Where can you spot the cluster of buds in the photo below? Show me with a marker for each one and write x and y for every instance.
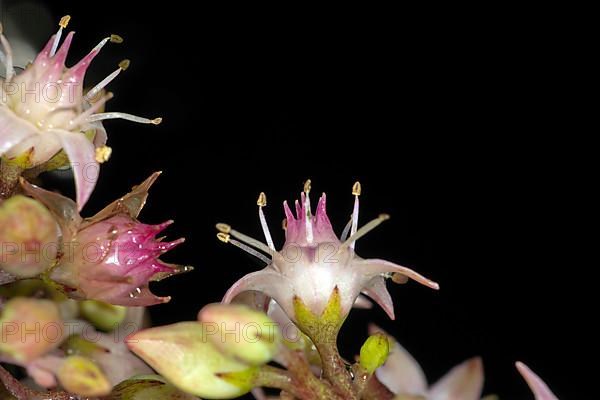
(72, 287)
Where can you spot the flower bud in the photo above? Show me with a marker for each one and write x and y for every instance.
(241, 332)
(374, 352)
(113, 260)
(102, 315)
(28, 237)
(30, 328)
(183, 355)
(82, 376)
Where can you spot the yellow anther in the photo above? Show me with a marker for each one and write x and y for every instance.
(103, 154)
(124, 64)
(284, 224)
(356, 188)
(262, 200)
(384, 217)
(64, 21)
(307, 186)
(116, 38)
(223, 237)
(224, 228)
(156, 121)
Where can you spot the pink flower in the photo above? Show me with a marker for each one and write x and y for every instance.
(43, 110)
(112, 256)
(314, 263)
(540, 390)
(403, 375)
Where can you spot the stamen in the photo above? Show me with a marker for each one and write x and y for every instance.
(262, 202)
(84, 116)
(103, 154)
(226, 229)
(7, 56)
(114, 38)
(128, 117)
(64, 21)
(365, 229)
(123, 65)
(356, 190)
(346, 230)
(307, 221)
(83, 64)
(225, 238)
(223, 228)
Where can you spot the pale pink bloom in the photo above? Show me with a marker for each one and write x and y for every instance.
(111, 256)
(44, 110)
(402, 374)
(540, 390)
(313, 262)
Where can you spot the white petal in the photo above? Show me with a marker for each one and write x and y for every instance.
(463, 382)
(401, 373)
(82, 156)
(540, 390)
(12, 130)
(377, 291)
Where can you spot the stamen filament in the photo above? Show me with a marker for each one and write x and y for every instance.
(123, 65)
(225, 238)
(365, 229)
(307, 221)
(262, 202)
(346, 230)
(226, 229)
(128, 117)
(84, 116)
(64, 21)
(356, 190)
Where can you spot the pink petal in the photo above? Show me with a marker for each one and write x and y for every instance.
(13, 131)
(362, 303)
(82, 155)
(540, 390)
(377, 291)
(401, 373)
(464, 382)
(375, 266)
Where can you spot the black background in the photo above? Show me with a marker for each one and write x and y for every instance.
(440, 113)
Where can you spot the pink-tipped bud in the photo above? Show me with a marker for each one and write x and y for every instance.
(28, 237)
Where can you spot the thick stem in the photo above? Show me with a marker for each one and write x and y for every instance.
(9, 178)
(306, 385)
(334, 369)
(274, 378)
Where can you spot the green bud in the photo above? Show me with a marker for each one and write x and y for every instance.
(249, 335)
(102, 315)
(186, 358)
(29, 237)
(82, 376)
(374, 352)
